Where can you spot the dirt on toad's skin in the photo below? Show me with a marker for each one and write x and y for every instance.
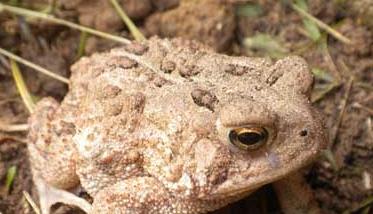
(338, 186)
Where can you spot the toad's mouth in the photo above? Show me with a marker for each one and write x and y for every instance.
(243, 185)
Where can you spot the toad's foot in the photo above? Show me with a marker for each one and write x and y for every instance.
(49, 196)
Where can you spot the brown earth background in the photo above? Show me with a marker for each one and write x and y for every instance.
(341, 179)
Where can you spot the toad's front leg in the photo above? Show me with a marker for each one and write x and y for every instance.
(53, 156)
(140, 195)
(136, 195)
(295, 196)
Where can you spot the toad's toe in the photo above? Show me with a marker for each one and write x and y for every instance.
(49, 196)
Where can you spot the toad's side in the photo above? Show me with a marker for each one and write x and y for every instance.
(172, 127)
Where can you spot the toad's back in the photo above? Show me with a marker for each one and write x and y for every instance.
(159, 115)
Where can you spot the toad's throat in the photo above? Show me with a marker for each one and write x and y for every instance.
(243, 187)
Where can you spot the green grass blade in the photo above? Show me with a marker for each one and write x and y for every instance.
(267, 44)
(312, 29)
(10, 175)
(249, 10)
(82, 43)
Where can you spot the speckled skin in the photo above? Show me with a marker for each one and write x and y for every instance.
(143, 140)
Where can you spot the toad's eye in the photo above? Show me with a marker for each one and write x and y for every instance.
(248, 138)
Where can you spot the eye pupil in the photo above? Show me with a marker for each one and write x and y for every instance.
(248, 138)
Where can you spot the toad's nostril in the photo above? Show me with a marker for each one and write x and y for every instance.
(303, 133)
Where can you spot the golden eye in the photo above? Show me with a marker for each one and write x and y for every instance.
(248, 138)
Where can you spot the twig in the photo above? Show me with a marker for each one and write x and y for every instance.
(50, 18)
(34, 66)
(131, 26)
(21, 86)
(13, 127)
(322, 25)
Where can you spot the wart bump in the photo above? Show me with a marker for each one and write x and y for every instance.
(204, 98)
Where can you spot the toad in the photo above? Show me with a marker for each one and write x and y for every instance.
(170, 126)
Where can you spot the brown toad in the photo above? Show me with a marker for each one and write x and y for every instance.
(169, 126)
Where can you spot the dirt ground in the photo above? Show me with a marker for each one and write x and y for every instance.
(341, 178)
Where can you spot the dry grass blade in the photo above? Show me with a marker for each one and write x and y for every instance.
(359, 106)
(31, 202)
(328, 154)
(131, 26)
(365, 203)
(319, 96)
(5, 138)
(34, 66)
(50, 18)
(364, 85)
(13, 127)
(322, 25)
(342, 112)
(21, 86)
